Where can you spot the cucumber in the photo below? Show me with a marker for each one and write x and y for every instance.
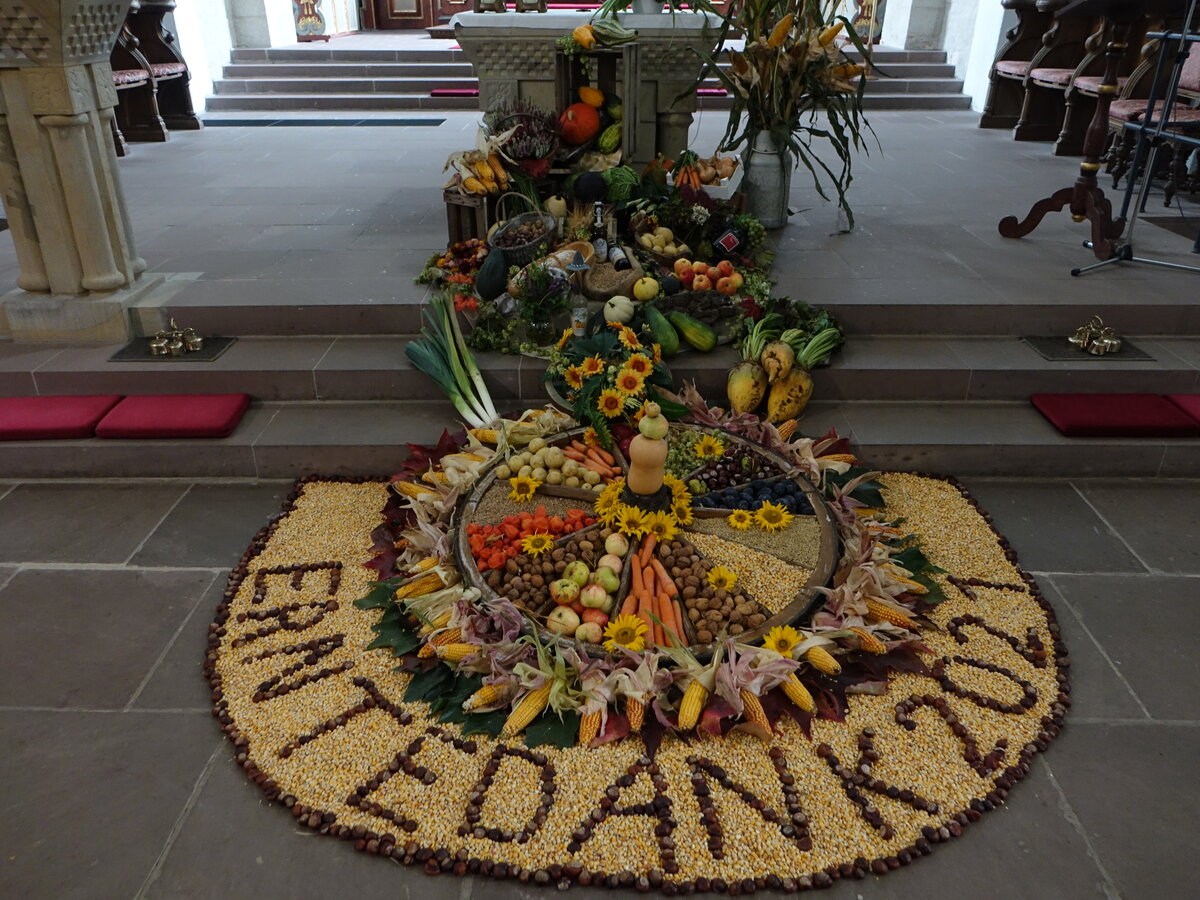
(664, 332)
(694, 331)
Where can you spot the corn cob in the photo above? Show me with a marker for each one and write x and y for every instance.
(483, 170)
(421, 585)
(838, 457)
(787, 429)
(798, 693)
(485, 696)
(694, 699)
(868, 642)
(526, 711)
(449, 636)
(424, 565)
(829, 34)
(849, 70)
(485, 435)
(780, 31)
(474, 185)
(885, 613)
(498, 168)
(441, 621)
(456, 652)
(912, 587)
(432, 477)
(635, 712)
(589, 728)
(413, 490)
(819, 658)
(752, 709)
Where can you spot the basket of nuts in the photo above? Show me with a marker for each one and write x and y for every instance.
(525, 236)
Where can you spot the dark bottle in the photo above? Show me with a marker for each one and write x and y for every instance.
(599, 233)
(617, 257)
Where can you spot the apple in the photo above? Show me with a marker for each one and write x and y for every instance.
(577, 572)
(686, 276)
(590, 632)
(596, 616)
(737, 280)
(593, 596)
(616, 544)
(725, 285)
(610, 561)
(562, 620)
(700, 267)
(564, 591)
(725, 267)
(577, 608)
(606, 579)
(680, 265)
(701, 283)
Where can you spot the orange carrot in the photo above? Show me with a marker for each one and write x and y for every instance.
(629, 607)
(580, 446)
(668, 583)
(638, 584)
(663, 611)
(644, 612)
(573, 454)
(605, 456)
(648, 547)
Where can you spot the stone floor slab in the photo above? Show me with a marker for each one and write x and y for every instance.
(1140, 622)
(177, 681)
(89, 799)
(1154, 519)
(81, 522)
(88, 639)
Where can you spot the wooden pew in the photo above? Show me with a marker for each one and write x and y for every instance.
(167, 66)
(1073, 47)
(1006, 81)
(137, 117)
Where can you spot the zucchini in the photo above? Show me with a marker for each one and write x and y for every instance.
(694, 331)
(661, 330)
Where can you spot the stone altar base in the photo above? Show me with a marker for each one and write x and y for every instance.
(27, 316)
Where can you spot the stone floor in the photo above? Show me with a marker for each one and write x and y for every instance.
(116, 782)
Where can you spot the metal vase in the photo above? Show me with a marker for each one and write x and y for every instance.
(767, 180)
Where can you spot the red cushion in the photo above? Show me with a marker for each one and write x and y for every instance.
(1053, 76)
(1013, 68)
(52, 418)
(1115, 415)
(174, 416)
(1189, 403)
(1089, 84)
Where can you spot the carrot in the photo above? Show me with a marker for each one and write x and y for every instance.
(644, 611)
(638, 583)
(663, 611)
(594, 454)
(573, 454)
(604, 455)
(580, 446)
(648, 579)
(664, 576)
(648, 547)
(629, 607)
(678, 612)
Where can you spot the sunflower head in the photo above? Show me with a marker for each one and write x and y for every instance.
(772, 517)
(522, 488)
(782, 639)
(741, 519)
(611, 403)
(591, 437)
(682, 511)
(592, 365)
(625, 631)
(630, 521)
(562, 341)
(630, 382)
(574, 377)
(536, 544)
(662, 525)
(721, 578)
(629, 338)
(657, 348)
(607, 503)
(708, 447)
(639, 363)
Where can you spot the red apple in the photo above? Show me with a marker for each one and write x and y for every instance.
(725, 285)
(737, 280)
(700, 267)
(680, 265)
(685, 277)
(725, 267)
(701, 283)
(596, 617)
(577, 607)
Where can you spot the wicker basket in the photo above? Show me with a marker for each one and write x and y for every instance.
(523, 254)
(602, 282)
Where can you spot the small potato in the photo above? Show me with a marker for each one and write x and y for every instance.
(503, 472)
(538, 474)
(537, 444)
(517, 460)
(554, 476)
(570, 467)
(554, 457)
(591, 476)
(572, 481)
(525, 471)
(538, 460)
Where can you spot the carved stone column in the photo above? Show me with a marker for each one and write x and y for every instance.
(58, 171)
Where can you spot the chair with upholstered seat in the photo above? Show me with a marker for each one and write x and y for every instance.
(167, 66)
(1006, 81)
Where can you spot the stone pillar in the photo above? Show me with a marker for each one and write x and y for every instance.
(916, 24)
(58, 171)
(261, 23)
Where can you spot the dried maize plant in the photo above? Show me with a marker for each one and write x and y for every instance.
(596, 690)
(791, 70)
(640, 680)
(546, 682)
(697, 680)
(747, 674)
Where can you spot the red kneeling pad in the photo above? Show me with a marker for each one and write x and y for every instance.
(52, 418)
(174, 416)
(1189, 403)
(1115, 415)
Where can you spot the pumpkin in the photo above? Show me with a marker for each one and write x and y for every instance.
(618, 309)
(648, 453)
(591, 96)
(579, 123)
(645, 288)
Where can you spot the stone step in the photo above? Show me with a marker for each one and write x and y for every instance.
(285, 440)
(269, 102)
(344, 85)
(878, 101)
(312, 54)
(352, 70)
(356, 368)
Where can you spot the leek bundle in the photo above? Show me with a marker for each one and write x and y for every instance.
(443, 355)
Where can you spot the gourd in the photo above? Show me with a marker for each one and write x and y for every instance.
(662, 331)
(648, 452)
(610, 139)
(645, 288)
(618, 309)
(584, 36)
(579, 123)
(556, 206)
(694, 331)
(591, 96)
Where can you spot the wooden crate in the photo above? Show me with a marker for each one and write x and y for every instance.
(617, 72)
(468, 215)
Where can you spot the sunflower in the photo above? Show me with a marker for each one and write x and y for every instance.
(592, 365)
(629, 339)
(537, 544)
(721, 578)
(591, 437)
(662, 525)
(708, 447)
(639, 363)
(522, 488)
(608, 503)
(741, 519)
(630, 521)
(562, 341)
(629, 382)
(657, 353)
(574, 377)
(772, 517)
(611, 403)
(626, 631)
(782, 639)
(679, 490)
(682, 512)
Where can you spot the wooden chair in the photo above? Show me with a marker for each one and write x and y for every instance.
(167, 66)
(1006, 81)
(1077, 48)
(137, 117)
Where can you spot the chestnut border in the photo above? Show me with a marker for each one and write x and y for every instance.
(435, 861)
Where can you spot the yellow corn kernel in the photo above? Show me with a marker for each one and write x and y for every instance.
(752, 709)
(819, 658)
(485, 435)
(787, 429)
(589, 728)
(432, 477)
(440, 621)
(838, 457)
(412, 490)
(498, 168)
(694, 699)
(526, 711)
(487, 695)
(483, 170)
(868, 642)
(912, 587)
(456, 652)
(449, 636)
(423, 584)
(798, 693)
(635, 712)
(885, 613)
(474, 185)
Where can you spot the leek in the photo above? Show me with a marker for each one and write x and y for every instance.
(817, 350)
(442, 354)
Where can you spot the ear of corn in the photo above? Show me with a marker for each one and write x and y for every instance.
(498, 168)
(412, 490)
(635, 712)
(885, 613)
(589, 728)
(485, 435)
(838, 457)
(483, 170)
(780, 31)
(829, 34)
(424, 565)
(449, 636)
(869, 643)
(474, 185)
(456, 652)
(912, 587)
(526, 711)
(694, 699)
(442, 620)
(424, 584)
(819, 658)
(798, 693)
(487, 695)
(848, 70)
(433, 477)
(752, 709)
(787, 429)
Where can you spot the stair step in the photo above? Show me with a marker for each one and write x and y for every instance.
(352, 70)
(286, 440)
(267, 102)
(342, 85)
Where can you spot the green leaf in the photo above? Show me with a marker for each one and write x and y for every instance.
(935, 595)
(915, 560)
(396, 636)
(489, 723)
(428, 684)
(559, 729)
(380, 596)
